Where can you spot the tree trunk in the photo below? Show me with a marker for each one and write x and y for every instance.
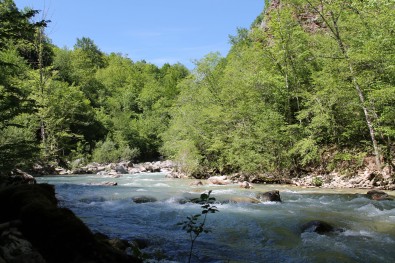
(41, 87)
(368, 119)
(333, 27)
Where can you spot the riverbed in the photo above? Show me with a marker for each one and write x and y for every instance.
(241, 231)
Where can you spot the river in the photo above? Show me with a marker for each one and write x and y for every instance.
(241, 232)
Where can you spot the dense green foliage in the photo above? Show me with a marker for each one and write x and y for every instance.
(311, 79)
(58, 105)
(308, 80)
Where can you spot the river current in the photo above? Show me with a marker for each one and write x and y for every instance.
(240, 232)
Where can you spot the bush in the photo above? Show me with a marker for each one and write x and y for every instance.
(108, 151)
(317, 181)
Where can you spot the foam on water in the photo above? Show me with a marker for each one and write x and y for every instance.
(241, 231)
(161, 185)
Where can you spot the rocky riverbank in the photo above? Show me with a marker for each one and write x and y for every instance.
(34, 229)
(110, 170)
(364, 178)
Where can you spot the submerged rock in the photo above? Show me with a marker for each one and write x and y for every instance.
(246, 185)
(241, 199)
(105, 184)
(144, 199)
(270, 196)
(317, 226)
(119, 244)
(378, 195)
(196, 183)
(140, 243)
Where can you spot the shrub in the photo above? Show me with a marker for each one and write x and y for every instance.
(317, 181)
(195, 224)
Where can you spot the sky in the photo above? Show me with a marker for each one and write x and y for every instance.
(158, 31)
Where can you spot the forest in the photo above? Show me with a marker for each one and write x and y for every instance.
(310, 85)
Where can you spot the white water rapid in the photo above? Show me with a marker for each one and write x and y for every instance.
(242, 231)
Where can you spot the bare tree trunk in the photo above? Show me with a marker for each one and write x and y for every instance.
(333, 27)
(41, 87)
(368, 118)
(357, 87)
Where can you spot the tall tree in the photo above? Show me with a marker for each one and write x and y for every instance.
(16, 36)
(341, 19)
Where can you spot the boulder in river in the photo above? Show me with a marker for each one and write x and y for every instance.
(242, 199)
(378, 195)
(246, 185)
(143, 199)
(219, 180)
(317, 226)
(270, 196)
(196, 183)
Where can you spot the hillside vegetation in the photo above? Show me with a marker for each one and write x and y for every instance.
(310, 85)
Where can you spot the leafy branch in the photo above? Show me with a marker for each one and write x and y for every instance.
(196, 224)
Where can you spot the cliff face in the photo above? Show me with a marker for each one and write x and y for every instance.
(309, 21)
(269, 7)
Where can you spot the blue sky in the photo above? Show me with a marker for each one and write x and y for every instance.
(158, 31)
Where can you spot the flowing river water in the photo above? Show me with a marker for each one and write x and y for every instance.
(241, 231)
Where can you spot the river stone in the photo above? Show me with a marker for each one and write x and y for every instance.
(317, 226)
(241, 199)
(106, 184)
(21, 177)
(121, 169)
(219, 180)
(196, 183)
(102, 173)
(270, 196)
(246, 185)
(140, 243)
(16, 248)
(119, 244)
(143, 199)
(378, 195)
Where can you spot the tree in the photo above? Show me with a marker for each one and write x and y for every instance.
(342, 19)
(17, 144)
